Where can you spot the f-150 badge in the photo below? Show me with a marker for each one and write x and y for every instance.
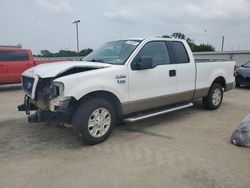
(121, 79)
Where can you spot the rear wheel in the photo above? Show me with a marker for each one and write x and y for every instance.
(214, 98)
(94, 120)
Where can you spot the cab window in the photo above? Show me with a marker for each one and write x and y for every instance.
(158, 51)
(13, 55)
(180, 53)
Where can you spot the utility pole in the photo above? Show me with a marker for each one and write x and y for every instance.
(77, 39)
(222, 45)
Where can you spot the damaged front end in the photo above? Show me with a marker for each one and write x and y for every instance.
(45, 95)
(47, 99)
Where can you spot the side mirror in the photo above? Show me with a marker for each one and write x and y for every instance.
(141, 63)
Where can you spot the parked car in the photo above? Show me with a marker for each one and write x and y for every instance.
(243, 75)
(13, 62)
(127, 80)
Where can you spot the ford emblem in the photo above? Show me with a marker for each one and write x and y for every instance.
(28, 85)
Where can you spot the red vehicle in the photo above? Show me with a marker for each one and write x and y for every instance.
(14, 61)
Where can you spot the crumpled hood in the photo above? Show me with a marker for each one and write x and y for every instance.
(54, 69)
(244, 72)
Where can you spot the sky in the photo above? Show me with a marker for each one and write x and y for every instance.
(47, 24)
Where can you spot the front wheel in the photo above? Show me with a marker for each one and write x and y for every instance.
(94, 120)
(214, 98)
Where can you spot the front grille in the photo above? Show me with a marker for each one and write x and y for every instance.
(27, 84)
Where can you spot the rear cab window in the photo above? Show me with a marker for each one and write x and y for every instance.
(13, 55)
(179, 52)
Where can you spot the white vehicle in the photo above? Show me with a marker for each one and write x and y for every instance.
(128, 80)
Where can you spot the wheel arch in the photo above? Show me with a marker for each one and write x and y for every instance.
(220, 80)
(105, 95)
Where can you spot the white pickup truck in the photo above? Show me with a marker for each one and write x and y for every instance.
(128, 80)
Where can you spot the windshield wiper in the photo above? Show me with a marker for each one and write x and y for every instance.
(101, 61)
(95, 60)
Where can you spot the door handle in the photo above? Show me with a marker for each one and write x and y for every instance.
(2, 65)
(172, 73)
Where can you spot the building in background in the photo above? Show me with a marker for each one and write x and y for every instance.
(240, 57)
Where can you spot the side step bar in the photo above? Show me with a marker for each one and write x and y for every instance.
(149, 115)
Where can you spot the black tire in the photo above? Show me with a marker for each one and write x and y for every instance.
(82, 116)
(208, 101)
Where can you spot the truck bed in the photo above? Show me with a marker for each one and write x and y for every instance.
(208, 69)
(209, 60)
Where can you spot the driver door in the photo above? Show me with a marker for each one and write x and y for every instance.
(154, 87)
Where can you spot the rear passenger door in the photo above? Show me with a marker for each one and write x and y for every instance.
(185, 70)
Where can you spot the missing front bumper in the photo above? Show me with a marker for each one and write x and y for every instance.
(63, 112)
(47, 116)
(27, 106)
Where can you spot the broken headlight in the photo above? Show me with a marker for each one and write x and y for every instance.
(59, 87)
(48, 89)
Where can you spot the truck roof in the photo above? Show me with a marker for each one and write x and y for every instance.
(23, 49)
(152, 38)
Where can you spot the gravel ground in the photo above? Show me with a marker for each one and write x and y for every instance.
(188, 148)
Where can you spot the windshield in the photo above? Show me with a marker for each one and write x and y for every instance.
(114, 52)
(247, 65)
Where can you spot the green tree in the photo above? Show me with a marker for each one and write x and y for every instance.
(65, 53)
(85, 52)
(194, 47)
(203, 48)
(46, 53)
(178, 35)
(166, 36)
